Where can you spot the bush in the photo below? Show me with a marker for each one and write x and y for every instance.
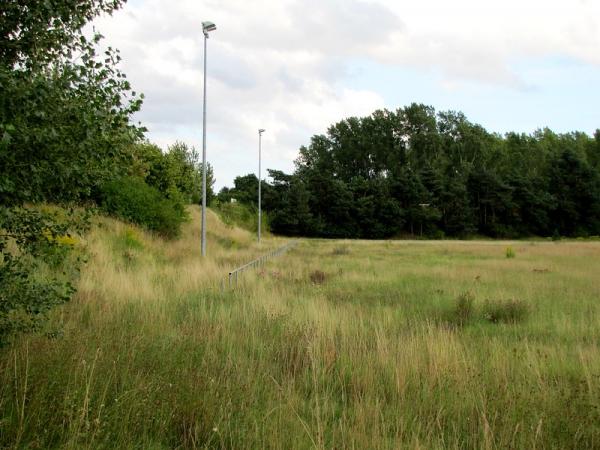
(37, 269)
(25, 301)
(505, 311)
(510, 253)
(132, 199)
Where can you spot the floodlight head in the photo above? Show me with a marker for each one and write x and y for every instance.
(208, 26)
(261, 131)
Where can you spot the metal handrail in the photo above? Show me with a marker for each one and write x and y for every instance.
(233, 275)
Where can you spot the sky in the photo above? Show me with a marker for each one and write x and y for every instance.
(294, 67)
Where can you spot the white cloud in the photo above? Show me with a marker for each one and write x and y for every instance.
(472, 39)
(281, 64)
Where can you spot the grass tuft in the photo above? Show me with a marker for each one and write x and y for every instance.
(318, 277)
(341, 250)
(505, 311)
(463, 309)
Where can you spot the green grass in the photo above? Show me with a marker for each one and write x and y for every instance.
(242, 216)
(371, 356)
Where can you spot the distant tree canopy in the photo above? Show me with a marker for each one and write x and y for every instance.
(416, 172)
(245, 190)
(175, 173)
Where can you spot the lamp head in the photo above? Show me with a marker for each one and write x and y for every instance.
(208, 26)
(261, 131)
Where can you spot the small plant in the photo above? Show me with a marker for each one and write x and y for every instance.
(510, 253)
(556, 235)
(505, 311)
(463, 310)
(318, 277)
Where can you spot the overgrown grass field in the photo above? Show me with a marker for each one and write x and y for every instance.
(337, 344)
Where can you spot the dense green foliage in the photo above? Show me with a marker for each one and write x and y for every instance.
(239, 214)
(65, 110)
(417, 172)
(239, 205)
(175, 173)
(245, 190)
(31, 241)
(130, 198)
(64, 127)
(67, 136)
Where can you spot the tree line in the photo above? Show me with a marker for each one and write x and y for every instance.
(417, 172)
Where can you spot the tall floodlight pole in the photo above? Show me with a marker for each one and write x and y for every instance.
(206, 28)
(260, 132)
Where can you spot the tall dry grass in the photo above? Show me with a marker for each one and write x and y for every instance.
(154, 355)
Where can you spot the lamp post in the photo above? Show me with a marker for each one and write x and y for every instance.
(206, 28)
(260, 132)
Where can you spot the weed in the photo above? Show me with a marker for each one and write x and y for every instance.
(132, 240)
(463, 309)
(129, 257)
(510, 253)
(505, 311)
(128, 240)
(291, 352)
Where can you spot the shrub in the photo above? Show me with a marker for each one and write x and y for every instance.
(132, 199)
(26, 301)
(505, 311)
(510, 253)
(36, 266)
